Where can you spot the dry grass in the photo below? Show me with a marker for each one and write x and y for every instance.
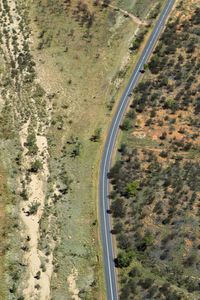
(84, 81)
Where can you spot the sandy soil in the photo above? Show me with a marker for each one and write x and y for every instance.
(71, 279)
(35, 183)
(36, 192)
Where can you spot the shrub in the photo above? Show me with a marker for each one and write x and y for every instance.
(138, 39)
(76, 151)
(36, 166)
(97, 135)
(135, 272)
(123, 241)
(31, 144)
(117, 208)
(132, 187)
(126, 125)
(146, 283)
(155, 11)
(33, 207)
(39, 91)
(123, 259)
(117, 228)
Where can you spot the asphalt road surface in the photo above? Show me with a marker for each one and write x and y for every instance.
(104, 205)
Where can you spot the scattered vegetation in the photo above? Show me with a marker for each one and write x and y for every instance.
(155, 197)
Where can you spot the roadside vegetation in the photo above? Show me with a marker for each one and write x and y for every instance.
(156, 186)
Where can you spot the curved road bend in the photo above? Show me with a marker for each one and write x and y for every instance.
(108, 253)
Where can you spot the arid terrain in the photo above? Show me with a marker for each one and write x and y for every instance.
(63, 67)
(156, 179)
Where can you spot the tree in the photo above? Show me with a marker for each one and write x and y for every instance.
(124, 259)
(126, 125)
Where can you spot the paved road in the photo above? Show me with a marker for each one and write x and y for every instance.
(108, 253)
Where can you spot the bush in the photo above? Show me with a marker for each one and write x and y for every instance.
(39, 91)
(135, 272)
(146, 283)
(117, 208)
(126, 124)
(155, 11)
(123, 259)
(190, 260)
(138, 39)
(132, 187)
(31, 144)
(118, 227)
(96, 136)
(36, 166)
(33, 207)
(123, 241)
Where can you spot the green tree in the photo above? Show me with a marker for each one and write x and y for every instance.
(126, 124)
(132, 187)
(124, 259)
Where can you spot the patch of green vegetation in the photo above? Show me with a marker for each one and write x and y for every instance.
(127, 125)
(36, 166)
(31, 143)
(33, 207)
(124, 259)
(132, 187)
(138, 39)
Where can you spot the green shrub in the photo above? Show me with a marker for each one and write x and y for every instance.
(124, 259)
(126, 125)
(36, 166)
(33, 207)
(31, 144)
(132, 187)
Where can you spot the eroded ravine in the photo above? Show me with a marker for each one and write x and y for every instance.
(28, 113)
